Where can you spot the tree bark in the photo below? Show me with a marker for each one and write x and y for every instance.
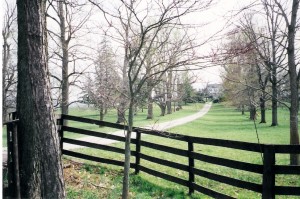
(41, 172)
(125, 192)
(6, 52)
(101, 111)
(169, 92)
(262, 110)
(162, 107)
(294, 83)
(274, 98)
(65, 62)
(252, 112)
(150, 109)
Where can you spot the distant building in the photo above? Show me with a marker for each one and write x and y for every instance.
(214, 90)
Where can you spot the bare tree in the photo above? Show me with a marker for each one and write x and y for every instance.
(289, 12)
(102, 88)
(241, 80)
(41, 172)
(269, 42)
(70, 19)
(9, 66)
(138, 30)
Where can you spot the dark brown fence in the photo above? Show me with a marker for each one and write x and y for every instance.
(268, 170)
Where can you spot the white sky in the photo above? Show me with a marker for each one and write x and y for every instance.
(216, 21)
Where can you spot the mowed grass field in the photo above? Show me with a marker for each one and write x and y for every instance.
(139, 119)
(222, 122)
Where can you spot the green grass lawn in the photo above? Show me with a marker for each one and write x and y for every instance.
(222, 122)
(139, 119)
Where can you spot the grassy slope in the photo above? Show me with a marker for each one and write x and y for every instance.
(223, 123)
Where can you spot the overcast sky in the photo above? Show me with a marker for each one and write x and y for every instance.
(216, 19)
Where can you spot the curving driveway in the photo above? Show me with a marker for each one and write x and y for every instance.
(158, 126)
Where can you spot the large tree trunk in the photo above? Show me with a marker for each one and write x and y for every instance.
(150, 100)
(169, 106)
(101, 111)
(262, 110)
(294, 83)
(121, 112)
(162, 107)
(41, 173)
(274, 98)
(169, 92)
(150, 109)
(252, 112)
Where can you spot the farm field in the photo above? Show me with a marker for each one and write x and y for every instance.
(222, 122)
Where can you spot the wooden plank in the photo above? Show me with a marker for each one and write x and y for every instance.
(165, 148)
(269, 174)
(138, 151)
(164, 176)
(96, 159)
(191, 166)
(165, 162)
(93, 145)
(207, 141)
(163, 134)
(93, 133)
(96, 122)
(255, 168)
(289, 170)
(288, 191)
(228, 180)
(210, 192)
(291, 149)
(246, 146)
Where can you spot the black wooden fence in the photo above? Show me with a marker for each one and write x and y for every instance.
(268, 170)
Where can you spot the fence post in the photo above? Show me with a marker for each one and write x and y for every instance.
(191, 166)
(60, 123)
(138, 151)
(13, 161)
(10, 163)
(17, 193)
(269, 174)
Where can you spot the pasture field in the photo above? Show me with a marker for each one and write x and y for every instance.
(221, 122)
(139, 118)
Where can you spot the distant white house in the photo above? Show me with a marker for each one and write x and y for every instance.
(214, 90)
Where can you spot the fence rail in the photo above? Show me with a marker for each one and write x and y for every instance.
(267, 170)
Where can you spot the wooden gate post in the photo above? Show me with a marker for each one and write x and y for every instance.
(13, 160)
(138, 151)
(60, 123)
(269, 173)
(10, 163)
(17, 193)
(191, 166)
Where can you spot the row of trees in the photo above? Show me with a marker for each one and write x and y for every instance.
(155, 46)
(260, 63)
(103, 86)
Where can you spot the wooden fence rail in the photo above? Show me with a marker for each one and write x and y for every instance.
(267, 170)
